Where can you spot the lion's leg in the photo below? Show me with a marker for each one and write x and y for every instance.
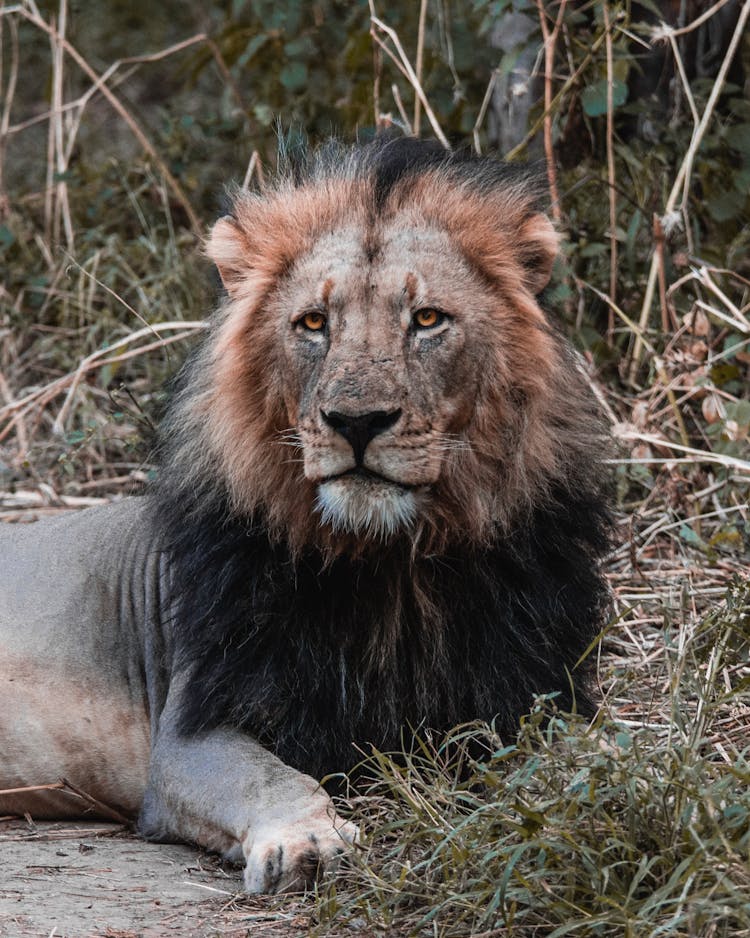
(223, 790)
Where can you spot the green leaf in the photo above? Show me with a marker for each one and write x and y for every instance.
(623, 740)
(299, 48)
(738, 137)
(594, 97)
(738, 411)
(6, 236)
(294, 76)
(264, 114)
(505, 751)
(690, 537)
(725, 207)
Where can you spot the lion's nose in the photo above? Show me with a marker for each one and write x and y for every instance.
(359, 429)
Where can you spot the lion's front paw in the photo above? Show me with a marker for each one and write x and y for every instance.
(292, 857)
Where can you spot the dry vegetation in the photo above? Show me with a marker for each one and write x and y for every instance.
(638, 824)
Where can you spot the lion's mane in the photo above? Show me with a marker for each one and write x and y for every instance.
(312, 640)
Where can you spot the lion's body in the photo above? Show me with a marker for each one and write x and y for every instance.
(79, 593)
(380, 506)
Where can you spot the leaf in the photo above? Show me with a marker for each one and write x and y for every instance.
(724, 373)
(738, 411)
(294, 76)
(6, 237)
(504, 752)
(738, 137)
(623, 740)
(725, 207)
(264, 114)
(594, 97)
(690, 537)
(299, 48)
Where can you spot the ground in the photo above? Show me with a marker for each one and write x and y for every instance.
(97, 880)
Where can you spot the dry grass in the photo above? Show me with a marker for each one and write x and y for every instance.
(638, 824)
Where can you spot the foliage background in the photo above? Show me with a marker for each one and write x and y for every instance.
(120, 124)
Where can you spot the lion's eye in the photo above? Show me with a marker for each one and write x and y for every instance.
(428, 318)
(313, 321)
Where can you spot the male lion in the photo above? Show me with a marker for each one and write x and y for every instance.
(380, 506)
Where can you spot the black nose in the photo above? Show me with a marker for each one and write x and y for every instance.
(359, 429)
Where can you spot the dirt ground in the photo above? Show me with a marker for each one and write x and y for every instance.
(96, 880)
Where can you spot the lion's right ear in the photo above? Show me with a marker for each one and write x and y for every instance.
(227, 248)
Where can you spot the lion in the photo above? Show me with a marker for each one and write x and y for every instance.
(380, 506)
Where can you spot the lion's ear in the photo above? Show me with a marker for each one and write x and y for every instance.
(227, 248)
(538, 244)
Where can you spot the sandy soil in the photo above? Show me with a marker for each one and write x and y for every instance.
(76, 880)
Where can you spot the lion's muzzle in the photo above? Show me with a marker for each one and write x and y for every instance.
(359, 429)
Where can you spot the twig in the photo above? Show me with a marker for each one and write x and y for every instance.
(611, 175)
(10, 91)
(420, 55)
(664, 29)
(226, 73)
(483, 111)
(98, 806)
(26, 789)
(254, 166)
(739, 321)
(409, 71)
(667, 323)
(550, 40)
(700, 455)
(377, 70)
(110, 291)
(222, 892)
(25, 499)
(63, 785)
(401, 109)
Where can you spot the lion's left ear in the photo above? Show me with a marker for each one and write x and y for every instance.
(537, 245)
(227, 248)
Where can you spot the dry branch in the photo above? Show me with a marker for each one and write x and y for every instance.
(550, 42)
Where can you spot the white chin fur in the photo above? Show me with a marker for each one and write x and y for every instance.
(372, 509)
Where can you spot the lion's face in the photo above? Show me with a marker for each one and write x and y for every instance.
(381, 368)
(381, 364)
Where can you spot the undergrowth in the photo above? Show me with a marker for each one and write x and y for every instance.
(608, 829)
(111, 169)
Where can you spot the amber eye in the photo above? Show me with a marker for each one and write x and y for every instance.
(314, 321)
(427, 318)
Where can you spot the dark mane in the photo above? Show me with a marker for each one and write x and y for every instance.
(312, 658)
(393, 161)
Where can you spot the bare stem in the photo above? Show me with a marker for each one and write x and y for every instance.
(418, 65)
(550, 41)
(611, 175)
